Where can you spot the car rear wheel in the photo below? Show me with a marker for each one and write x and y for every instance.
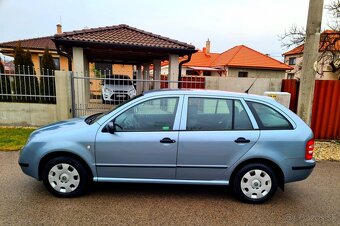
(66, 177)
(255, 183)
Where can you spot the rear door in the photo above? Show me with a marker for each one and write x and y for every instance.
(215, 132)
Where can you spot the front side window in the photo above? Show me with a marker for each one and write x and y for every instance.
(268, 118)
(151, 115)
(212, 114)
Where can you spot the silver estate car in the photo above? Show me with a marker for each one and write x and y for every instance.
(251, 143)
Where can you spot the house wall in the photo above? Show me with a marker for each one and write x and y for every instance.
(35, 58)
(327, 74)
(255, 73)
(233, 84)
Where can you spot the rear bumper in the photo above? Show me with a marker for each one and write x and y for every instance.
(299, 171)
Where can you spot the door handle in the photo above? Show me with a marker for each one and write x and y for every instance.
(242, 140)
(167, 140)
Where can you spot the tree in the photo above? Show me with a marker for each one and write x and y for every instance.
(329, 39)
(25, 82)
(5, 86)
(47, 83)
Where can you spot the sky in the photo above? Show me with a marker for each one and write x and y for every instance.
(254, 23)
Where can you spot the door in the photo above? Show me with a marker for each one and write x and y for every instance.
(215, 133)
(144, 144)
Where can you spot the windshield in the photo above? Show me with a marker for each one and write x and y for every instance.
(95, 117)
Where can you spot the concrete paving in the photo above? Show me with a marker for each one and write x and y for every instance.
(25, 201)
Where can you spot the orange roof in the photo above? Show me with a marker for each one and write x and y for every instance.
(243, 56)
(296, 50)
(202, 59)
(329, 39)
(239, 56)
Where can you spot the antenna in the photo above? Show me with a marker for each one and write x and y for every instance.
(60, 20)
(247, 91)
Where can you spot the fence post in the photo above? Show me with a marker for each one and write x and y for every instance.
(63, 95)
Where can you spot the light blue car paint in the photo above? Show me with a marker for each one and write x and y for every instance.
(196, 157)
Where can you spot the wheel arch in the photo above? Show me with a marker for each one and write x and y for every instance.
(275, 167)
(55, 154)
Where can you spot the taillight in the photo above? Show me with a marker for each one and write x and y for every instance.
(309, 149)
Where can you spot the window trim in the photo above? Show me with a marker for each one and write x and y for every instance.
(178, 113)
(259, 122)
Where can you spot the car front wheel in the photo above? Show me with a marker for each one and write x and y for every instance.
(65, 177)
(255, 183)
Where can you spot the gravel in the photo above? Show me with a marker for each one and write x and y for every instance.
(327, 150)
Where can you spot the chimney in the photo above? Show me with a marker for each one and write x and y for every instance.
(59, 29)
(207, 46)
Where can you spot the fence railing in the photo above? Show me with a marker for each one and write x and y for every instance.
(28, 88)
(100, 92)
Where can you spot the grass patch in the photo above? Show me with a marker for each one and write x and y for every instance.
(12, 138)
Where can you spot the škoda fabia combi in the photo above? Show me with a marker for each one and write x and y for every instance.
(251, 143)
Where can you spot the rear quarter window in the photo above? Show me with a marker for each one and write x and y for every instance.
(268, 118)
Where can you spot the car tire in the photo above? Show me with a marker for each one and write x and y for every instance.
(254, 183)
(66, 177)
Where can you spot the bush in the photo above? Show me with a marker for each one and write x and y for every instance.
(47, 84)
(25, 83)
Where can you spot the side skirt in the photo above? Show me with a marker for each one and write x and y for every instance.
(160, 181)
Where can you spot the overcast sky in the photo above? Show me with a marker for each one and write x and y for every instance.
(255, 23)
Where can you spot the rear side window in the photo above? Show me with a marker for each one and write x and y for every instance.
(214, 114)
(267, 118)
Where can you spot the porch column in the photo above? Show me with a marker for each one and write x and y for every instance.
(173, 71)
(146, 76)
(157, 73)
(139, 77)
(81, 86)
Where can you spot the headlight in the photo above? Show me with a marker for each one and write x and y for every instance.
(107, 90)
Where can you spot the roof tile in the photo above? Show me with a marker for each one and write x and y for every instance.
(122, 35)
(33, 43)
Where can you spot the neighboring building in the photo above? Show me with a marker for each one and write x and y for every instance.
(294, 58)
(239, 61)
(37, 46)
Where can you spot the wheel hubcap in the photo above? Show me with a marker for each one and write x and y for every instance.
(63, 178)
(256, 184)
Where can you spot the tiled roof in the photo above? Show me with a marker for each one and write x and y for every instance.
(122, 35)
(296, 50)
(33, 43)
(243, 56)
(202, 59)
(329, 39)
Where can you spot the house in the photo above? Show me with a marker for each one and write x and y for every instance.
(239, 61)
(329, 46)
(37, 46)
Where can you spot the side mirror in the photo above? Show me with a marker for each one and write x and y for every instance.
(110, 127)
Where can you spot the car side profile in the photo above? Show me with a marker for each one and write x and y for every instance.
(251, 143)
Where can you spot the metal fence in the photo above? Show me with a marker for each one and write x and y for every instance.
(28, 88)
(102, 90)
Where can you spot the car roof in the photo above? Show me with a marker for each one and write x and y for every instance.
(204, 92)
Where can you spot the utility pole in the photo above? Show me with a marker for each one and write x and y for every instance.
(310, 54)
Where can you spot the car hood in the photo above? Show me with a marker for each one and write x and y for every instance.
(119, 87)
(62, 126)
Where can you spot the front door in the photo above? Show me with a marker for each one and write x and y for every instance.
(214, 134)
(144, 144)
